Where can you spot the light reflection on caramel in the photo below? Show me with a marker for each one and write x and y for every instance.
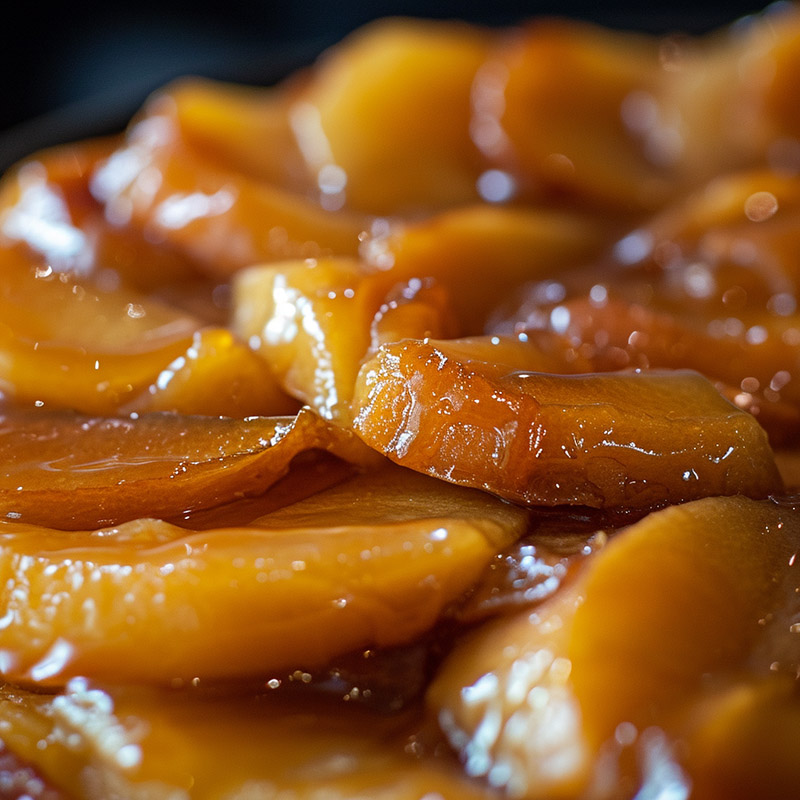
(514, 209)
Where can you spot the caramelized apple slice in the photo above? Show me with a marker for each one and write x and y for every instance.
(610, 441)
(678, 597)
(560, 96)
(97, 744)
(230, 124)
(71, 471)
(482, 253)
(740, 741)
(665, 114)
(726, 249)
(173, 377)
(68, 343)
(751, 364)
(288, 592)
(40, 304)
(311, 322)
(218, 375)
(46, 204)
(314, 321)
(409, 77)
(220, 219)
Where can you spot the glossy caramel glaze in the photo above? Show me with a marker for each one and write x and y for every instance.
(606, 440)
(551, 272)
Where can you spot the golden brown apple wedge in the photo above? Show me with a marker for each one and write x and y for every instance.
(666, 607)
(147, 601)
(95, 743)
(413, 78)
(69, 471)
(218, 218)
(314, 321)
(615, 440)
(67, 343)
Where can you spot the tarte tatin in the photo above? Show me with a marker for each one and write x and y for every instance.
(424, 427)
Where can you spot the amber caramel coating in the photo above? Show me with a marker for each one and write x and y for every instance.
(552, 272)
(148, 602)
(617, 440)
(97, 743)
(70, 471)
(556, 684)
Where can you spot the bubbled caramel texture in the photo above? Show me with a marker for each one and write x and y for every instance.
(424, 426)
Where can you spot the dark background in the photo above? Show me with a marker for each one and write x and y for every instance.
(72, 68)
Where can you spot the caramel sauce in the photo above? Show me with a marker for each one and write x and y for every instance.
(424, 426)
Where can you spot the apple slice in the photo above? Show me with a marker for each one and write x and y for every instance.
(217, 217)
(95, 743)
(616, 440)
(217, 375)
(230, 122)
(411, 78)
(678, 598)
(70, 471)
(314, 322)
(561, 110)
(147, 601)
(483, 253)
(68, 343)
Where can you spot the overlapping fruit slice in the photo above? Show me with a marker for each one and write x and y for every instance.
(46, 204)
(529, 700)
(220, 218)
(709, 284)
(612, 440)
(314, 321)
(293, 314)
(548, 100)
(483, 254)
(665, 114)
(70, 471)
(66, 342)
(754, 366)
(95, 744)
(149, 601)
(413, 78)
(229, 123)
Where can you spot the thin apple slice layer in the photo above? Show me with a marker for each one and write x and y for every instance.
(616, 440)
(151, 602)
(670, 608)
